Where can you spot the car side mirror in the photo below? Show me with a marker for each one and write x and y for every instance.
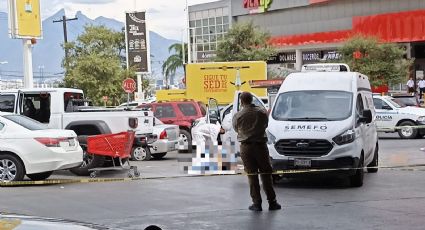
(366, 117)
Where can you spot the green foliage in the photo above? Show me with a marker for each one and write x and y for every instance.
(383, 63)
(244, 42)
(95, 64)
(174, 61)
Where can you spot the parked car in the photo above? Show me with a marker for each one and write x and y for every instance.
(166, 139)
(28, 148)
(181, 113)
(406, 100)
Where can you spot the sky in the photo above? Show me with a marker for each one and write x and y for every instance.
(166, 17)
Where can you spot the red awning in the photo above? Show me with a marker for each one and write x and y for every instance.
(406, 26)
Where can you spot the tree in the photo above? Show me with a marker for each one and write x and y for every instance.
(244, 42)
(174, 61)
(95, 64)
(383, 63)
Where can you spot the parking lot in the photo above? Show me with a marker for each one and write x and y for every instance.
(391, 199)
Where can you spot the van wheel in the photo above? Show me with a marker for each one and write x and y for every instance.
(407, 132)
(357, 179)
(373, 166)
(89, 161)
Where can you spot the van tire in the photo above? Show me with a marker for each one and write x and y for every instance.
(375, 162)
(407, 133)
(357, 179)
(187, 138)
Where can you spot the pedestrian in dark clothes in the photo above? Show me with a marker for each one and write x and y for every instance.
(250, 123)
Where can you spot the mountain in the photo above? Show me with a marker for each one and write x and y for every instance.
(48, 53)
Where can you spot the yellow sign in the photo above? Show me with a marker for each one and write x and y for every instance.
(26, 18)
(217, 80)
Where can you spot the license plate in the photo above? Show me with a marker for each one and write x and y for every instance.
(302, 162)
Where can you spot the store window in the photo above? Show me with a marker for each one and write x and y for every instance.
(219, 20)
(204, 22)
(198, 23)
(212, 21)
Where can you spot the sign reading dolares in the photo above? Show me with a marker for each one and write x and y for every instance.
(136, 41)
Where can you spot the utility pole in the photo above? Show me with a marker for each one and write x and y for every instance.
(65, 34)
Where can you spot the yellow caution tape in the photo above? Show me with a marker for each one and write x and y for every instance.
(413, 167)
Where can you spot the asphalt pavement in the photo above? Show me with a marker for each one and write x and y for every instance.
(390, 199)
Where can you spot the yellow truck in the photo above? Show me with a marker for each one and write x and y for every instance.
(218, 80)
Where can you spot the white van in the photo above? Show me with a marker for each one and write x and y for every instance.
(323, 118)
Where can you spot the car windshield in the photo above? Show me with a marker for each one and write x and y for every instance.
(405, 101)
(26, 122)
(313, 106)
(396, 103)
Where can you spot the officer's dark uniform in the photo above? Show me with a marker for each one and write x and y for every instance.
(250, 124)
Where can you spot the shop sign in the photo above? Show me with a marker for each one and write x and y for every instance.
(206, 56)
(282, 58)
(312, 56)
(257, 6)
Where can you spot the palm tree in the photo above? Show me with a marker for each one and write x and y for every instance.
(174, 61)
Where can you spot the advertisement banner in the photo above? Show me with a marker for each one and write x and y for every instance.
(24, 19)
(136, 41)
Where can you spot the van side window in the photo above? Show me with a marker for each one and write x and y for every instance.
(7, 103)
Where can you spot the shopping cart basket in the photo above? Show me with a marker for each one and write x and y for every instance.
(117, 146)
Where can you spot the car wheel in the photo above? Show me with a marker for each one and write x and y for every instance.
(407, 132)
(357, 179)
(141, 153)
(159, 155)
(374, 164)
(89, 161)
(11, 168)
(186, 139)
(40, 176)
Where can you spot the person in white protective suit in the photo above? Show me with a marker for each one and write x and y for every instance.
(205, 131)
(227, 127)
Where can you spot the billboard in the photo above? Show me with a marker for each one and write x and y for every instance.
(24, 19)
(136, 42)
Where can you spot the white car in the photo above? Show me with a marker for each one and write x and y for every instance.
(28, 148)
(167, 140)
(390, 115)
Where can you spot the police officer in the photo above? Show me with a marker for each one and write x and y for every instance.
(250, 123)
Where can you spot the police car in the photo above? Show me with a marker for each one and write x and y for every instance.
(393, 117)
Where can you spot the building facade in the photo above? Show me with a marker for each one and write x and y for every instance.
(309, 31)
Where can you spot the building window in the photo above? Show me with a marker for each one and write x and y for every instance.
(198, 23)
(204, 22)
(212, 29)
(198, 31)
(199, 39)
(191, 23)
(225, 20)
(206, 39)
(219, 20)
(206, 47)
(225, 28)
(213, 38)
(200, 47)
(205, 30)
(219, 29)
(212, 21)
(213, 46)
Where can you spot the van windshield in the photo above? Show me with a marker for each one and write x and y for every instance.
(313, 106)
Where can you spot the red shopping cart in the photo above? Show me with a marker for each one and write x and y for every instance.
(117, 146)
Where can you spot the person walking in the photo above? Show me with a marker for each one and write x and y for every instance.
(410, 86)
(421, 88)
(250, 123)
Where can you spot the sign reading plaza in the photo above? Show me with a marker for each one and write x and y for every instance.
(136, 41)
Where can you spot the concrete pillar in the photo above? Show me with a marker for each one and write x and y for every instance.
(298, 59)
(28, 74)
